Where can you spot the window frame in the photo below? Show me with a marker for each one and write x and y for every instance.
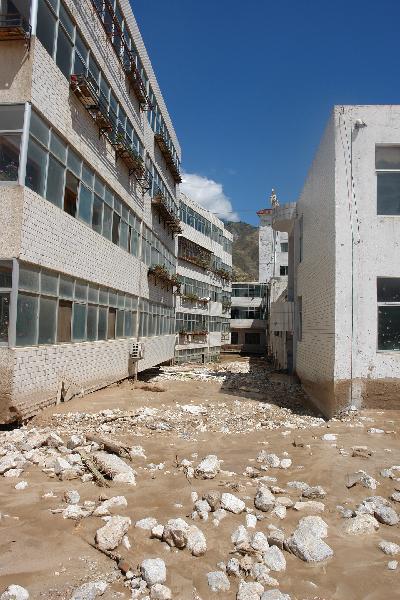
(379, 304)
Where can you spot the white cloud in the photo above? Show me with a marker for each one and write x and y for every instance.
(209, 194)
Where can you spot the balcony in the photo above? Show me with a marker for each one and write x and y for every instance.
(194, 299)
(198, 336)
(161, 205)
(222, 274)
(127, 154)
(161, 275)
(283, 217)
(14, 27)
(86, 90)
(193, 253)
(169, 159)
(137, 85)
(281, 316)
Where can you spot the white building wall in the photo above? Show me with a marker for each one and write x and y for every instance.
(270, 255)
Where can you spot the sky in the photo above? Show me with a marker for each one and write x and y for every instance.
(250, 84)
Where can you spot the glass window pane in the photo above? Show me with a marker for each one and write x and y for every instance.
(115, 228)
(387, 157)
(66, 287)
(46, 27)
(102, 326)
(120, 323)
(5, 276)
(103, 297)
(4, 316)
(123, 238)
(81, 291)
(85, 204)
(66, 21)
(55, 182)
(121, 300)
(79, 67)
(49, 283)
(388, 327)
(79, 322)
(107, 221)
(47, 320)
(74, 163)
(93, 295)
(128, 324)
(388, 289)
(36, 167)
(28, 279)
(11, 116)
(97, 217)
(39, 129)
(64, 52)
(111, 323)
(388, 194)
(27, 317)
(92, 323)
(112, 298)
(81, 46)
(9, 156)
(108, 197)
(58, 147)
(98, 186)
(87, 176)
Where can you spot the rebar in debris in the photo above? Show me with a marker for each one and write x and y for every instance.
(109, 446)
(93, 469)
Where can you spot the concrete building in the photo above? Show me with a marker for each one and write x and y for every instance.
(343, 298)
(249, 317)
(204, 272)
(89, 174)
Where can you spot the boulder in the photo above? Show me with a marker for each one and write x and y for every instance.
(308, 547)
(274, 559)
(209, 467)
(360, 525)
(386, 515)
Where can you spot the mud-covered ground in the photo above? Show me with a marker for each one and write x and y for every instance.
(242, 415)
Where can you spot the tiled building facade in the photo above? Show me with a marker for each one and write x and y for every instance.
(89, 202)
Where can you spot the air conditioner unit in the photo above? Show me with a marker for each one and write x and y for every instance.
(137, 351)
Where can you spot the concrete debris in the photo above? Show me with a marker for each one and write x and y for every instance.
(249, 591)
(360, 525)
(209, 467)
(306, 541)
(90, 591)
(110, 536)
(389, 548)
(232, 504)
(114, 467)
(153, 571)
(15, 592)
(218, 581)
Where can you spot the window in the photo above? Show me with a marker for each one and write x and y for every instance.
(27, 320)
(5, 291)
(387, 164)
(283, 270)
(300, 318)
(46, 26)
(388, 296)
(11, 125)
(284, 246)
(248, 290)
(252, 338)
(234, 337)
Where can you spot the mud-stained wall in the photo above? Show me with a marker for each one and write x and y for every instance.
(11, 203)
(15, 72)
(7, 413)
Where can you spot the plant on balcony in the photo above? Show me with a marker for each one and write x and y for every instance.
(223, 274)
(226, 305)
(160, 272)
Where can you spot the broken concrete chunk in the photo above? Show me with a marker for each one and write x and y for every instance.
(209, 467)
(153, 571)
(232, 503)
(196, 541)
(110, 536)
(361, 525)
(114, 467)
(90, 591)
(218, 581)
(264, 499)
(15, 592)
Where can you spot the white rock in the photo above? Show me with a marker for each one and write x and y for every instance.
(60, 465)
(15, 592)
(249, 591)
(360, 525)
(147, 524)
(251, 521)
(329, 437)
(308, 547)
(176, 533)
(153, 571)
(279, 511)
(74, 512)
(389, 548)
(232, 504)
(75, 441)
(264, 500)
(233, 567)
(90, 591)
(274, 559)
(72, 497)
(160, 592)
(259, 542)
(241, 538)
(209, 467)
(110, 536)
(13, 473)
(106, 506)
(314, 526)
(115, 467)
(21, 485)
(375, 430)
(309, 506)
(218, 581)
(285, 463)
(196, 541)
(137, 452)
(392, 565)
(157, 532)
(274, 595)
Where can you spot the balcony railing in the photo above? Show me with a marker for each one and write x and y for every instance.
(132, 159)
(136, 82)
(13, 26)
(86, 90)
(160, 203)
(194, 299)
(193, 253)
(169, 159)
(161, 274)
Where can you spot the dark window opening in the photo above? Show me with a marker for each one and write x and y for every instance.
(234, 337)
(283, 270)
(112, 315)
(389, 327)
(71, 194)
(4, 316)
(9, 156)
(115, 228)
(64, 321)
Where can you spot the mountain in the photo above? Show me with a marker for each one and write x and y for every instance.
(245, 251)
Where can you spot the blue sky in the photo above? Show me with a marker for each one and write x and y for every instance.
(249, 85)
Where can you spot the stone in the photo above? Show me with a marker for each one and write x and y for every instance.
(176, 533)
(60, 465)
(314, 525)
(329, 437)
(214, 499)
(13, 473)
(202, 507)
(196, 541)
(361, 452)
(22, 485)
(308, 547)
(90, 591)
(241, 538)
(110, 536)
(114, 467)
(153, 571)
(392, 565)
(251, 521)
(276, 537)
(75, 441)
(389, 548)
(309, 506)
(386, 515)
(279, 511)
(12, 460)
(260, 573)
(232, 504)
(298, 485)
(264, 499)
(148, 524)
(218, 581)
(313, 492)
(15, 592)
(274, 595)
(137, 452)
(209, 467)
(160, 592)
(105, 507)
(74, 512)
(360, 525)
(375, 430)
(249, 591)
(395, 496)
(54, 441)
(274, 559)
(157, 532)
(233, 567)
(285, 463)
(72, 497)
(259, 542)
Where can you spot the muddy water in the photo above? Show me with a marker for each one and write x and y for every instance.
(51, 556)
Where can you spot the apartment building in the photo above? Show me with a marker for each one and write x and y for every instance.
(343, 299)
(249, 317)
(204, 273)
(272, 246)
(89, 204)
